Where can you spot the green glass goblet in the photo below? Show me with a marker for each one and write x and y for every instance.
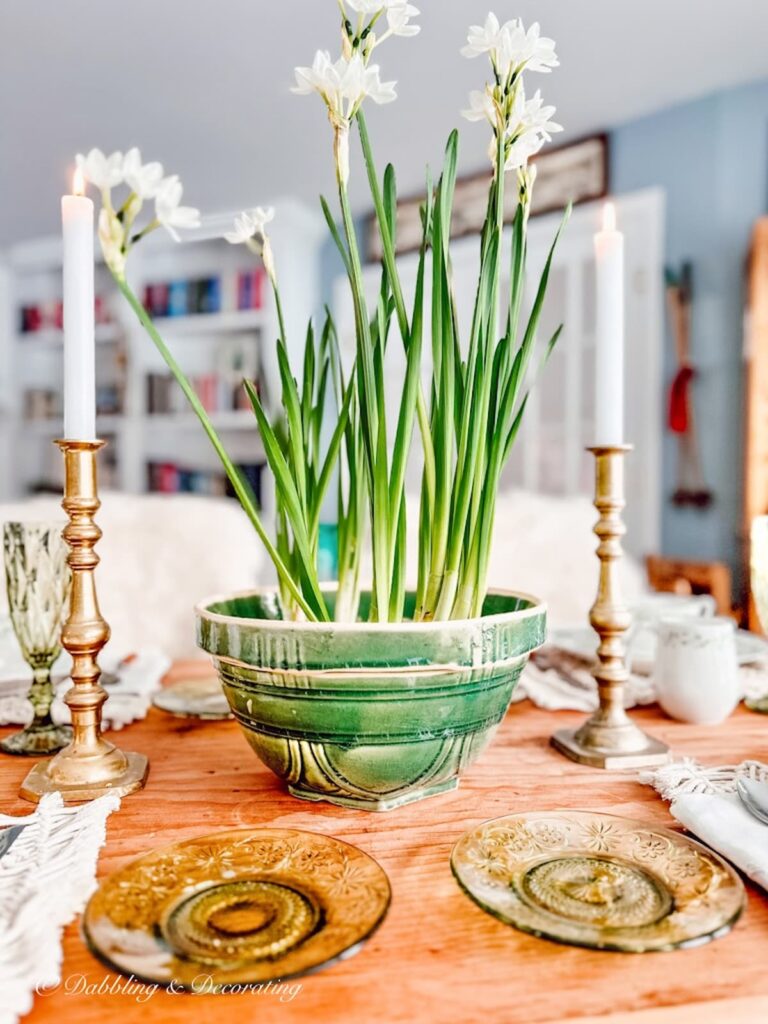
(38, 581)
(759, 580)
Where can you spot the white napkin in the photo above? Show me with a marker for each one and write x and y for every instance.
(139, 679)
(574, 689)
(550, 689)
(723, 823)
(46, 878)
(704, 800)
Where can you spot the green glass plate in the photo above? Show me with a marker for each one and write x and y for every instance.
(599, 881)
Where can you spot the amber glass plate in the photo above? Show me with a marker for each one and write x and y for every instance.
(239, 907)
(598, 880)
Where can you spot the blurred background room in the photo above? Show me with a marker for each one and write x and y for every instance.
(665, 112)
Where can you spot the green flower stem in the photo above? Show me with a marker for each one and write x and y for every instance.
(370, 411)
(240, 487)
(390, 262)
(469, 571)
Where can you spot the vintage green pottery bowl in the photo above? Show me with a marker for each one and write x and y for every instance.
(368, 715)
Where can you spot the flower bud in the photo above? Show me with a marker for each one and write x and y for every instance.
(112, 238)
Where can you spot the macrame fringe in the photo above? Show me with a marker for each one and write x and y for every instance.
(688, 776)
(46, 878)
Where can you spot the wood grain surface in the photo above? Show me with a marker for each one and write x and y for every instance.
(437, 957)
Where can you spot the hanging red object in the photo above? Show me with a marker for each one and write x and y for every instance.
(679, 400)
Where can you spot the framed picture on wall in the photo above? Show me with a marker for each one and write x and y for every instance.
(577, 173)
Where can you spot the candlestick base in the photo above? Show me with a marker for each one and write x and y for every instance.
(39, 782)
(642, 751)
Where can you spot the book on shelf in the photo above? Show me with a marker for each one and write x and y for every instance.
(41, 404)
(35, 318)
(218, 394)
(200, 296)
(170, 478)
(236, 358)
(46, 403)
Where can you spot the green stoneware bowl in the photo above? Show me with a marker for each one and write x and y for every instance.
(366, 715)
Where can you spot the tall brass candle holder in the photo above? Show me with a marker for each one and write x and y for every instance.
(90, 766)
(609, 739)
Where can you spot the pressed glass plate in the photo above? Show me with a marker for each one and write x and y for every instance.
(598, 880)
(194, 698)
(234, 908)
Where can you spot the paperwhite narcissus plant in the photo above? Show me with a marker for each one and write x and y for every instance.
(469, 413)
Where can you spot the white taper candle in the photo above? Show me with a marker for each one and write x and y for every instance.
(609, 342)
(79, 330)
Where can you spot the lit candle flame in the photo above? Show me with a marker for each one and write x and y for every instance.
(609, 217)
(78, 183)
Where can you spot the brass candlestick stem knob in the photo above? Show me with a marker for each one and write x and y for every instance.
(90, 766)
(610, 739)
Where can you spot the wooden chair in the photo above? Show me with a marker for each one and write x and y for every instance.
(677, 576)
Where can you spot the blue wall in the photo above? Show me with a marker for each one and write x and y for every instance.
(711, 158)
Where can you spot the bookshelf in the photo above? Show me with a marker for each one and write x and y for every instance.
(155, 443)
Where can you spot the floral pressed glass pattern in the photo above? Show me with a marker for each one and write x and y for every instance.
(38, 581)
(598, 880)
(235, 908)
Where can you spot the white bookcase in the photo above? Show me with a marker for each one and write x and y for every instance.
(204, 344)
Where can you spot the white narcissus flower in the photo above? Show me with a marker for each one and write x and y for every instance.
(399, 15)
(529, 50)
(168, 210)
(371, 7)
(483, 38)
(368, 6)
(143, 179)
(536, 117)
(343, 85)
(531, 127)
(243, 231)
(510, 47)
(521, 150)
(261, 216)
(372, 85)
(321, 77)
(250, 223)
(481, 107)
(104, 172)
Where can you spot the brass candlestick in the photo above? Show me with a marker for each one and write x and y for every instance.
(90, 766)
(609, 739)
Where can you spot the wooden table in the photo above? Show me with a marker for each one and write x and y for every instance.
(437, 957)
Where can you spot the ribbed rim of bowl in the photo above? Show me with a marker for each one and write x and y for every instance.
(202, 610)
